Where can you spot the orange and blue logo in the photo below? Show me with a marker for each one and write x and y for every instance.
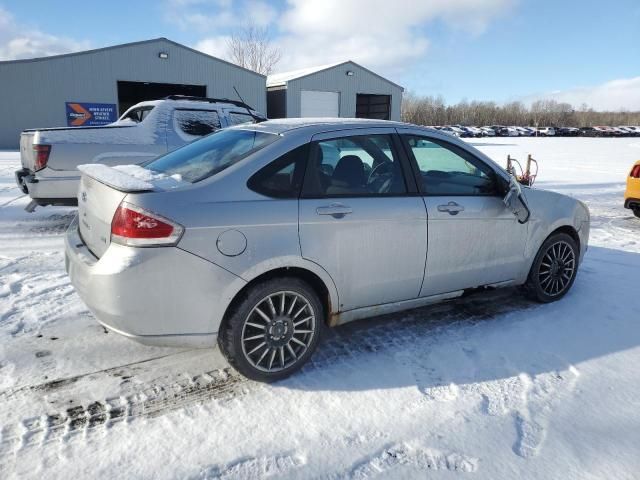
(82, 114)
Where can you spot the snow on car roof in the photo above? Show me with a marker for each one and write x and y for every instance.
(185, 103)
(282, 125)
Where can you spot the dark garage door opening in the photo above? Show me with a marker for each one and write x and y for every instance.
(373, 106)
(130, 93)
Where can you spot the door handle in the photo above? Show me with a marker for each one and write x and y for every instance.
(336, 210)
(452, 207)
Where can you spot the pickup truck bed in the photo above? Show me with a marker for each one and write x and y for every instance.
(50, 156)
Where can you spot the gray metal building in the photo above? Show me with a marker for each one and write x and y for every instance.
(343, 89)
(34, 92)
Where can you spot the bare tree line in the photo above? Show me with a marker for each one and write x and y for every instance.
(429, 110)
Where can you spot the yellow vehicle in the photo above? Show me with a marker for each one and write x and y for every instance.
(632, 195)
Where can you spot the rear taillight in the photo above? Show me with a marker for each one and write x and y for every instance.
(137, 227)
(41, 156)
(635, 171)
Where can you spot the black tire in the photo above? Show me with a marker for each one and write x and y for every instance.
(636, 212)
(547, 281)
(241, 332)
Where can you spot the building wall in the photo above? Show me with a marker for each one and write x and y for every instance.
(336, 80)
(33, 92)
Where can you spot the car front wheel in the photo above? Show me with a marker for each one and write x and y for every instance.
(273, 329)
(636, 212)
(554, 269)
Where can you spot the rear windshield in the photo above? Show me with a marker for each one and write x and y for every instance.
(137, 114)
(211, 154)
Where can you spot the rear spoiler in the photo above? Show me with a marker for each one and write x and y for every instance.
(115, 178)
(131, 178)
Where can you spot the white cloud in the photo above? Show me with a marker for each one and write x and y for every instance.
(22, 41)
(615, 95)
(383, 35)
(216, 46)
(379, 33)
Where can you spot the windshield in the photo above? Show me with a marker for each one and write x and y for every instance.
(211, 154)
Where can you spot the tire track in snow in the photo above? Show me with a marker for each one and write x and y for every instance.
(383, 334)
(151, 401)
(9, 202)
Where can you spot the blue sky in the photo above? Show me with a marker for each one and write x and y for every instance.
(498, 50)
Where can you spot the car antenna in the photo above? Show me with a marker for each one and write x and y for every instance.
(255, 117)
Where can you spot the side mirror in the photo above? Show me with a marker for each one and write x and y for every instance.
(515, 202)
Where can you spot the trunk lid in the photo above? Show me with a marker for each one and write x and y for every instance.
(101, 191)
(97, 202)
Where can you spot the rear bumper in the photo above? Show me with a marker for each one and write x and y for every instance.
(48, 187)
(632, 203)
(156, 296)
(24, 177)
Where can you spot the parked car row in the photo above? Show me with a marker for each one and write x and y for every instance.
(602, 131)
(516, 131)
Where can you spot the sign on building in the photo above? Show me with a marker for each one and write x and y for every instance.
(82, 114)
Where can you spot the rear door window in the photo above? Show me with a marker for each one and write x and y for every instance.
(196, 123)
(236, 118)
(363, 165)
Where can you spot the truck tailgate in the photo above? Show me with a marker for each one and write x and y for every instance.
(27, 156)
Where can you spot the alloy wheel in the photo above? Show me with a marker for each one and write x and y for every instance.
(557, 268)
(278, 331)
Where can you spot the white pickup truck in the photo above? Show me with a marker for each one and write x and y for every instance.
(50, 156)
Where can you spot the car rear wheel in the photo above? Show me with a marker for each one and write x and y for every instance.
(636, 212)
(554, 269)
(273, 330)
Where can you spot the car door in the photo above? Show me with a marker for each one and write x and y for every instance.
(473, 238)
(361, 219)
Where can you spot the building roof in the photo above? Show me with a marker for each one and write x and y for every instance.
(126, 45)
(280, 79)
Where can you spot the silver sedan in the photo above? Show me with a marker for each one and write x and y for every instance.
(257, 237)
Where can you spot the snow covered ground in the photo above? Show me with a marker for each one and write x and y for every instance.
(489, 386)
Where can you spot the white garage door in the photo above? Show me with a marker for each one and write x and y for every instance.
(319, 104)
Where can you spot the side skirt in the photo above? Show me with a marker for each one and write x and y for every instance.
(340, 318)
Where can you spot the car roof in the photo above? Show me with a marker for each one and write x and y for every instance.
(188, 103)
(317, 125)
